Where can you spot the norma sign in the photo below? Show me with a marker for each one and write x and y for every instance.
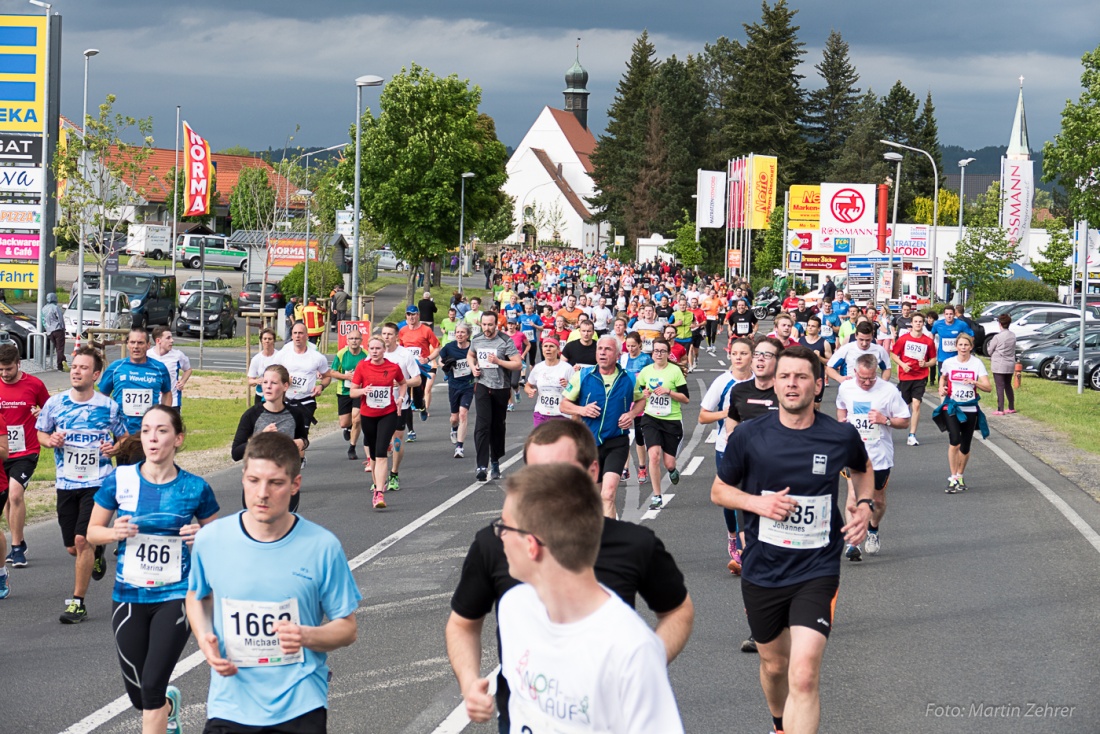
(288, 253)
(18, 275)
(20, 148)
(19, 247)
(848, 209)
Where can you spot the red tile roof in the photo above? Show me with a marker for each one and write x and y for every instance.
(580, 139)
(567, 191)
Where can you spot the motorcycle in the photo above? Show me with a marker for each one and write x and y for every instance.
(767, 303)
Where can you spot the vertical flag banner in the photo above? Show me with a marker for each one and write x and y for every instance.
(197, 165)
(736, 178)
(1017, 195)
(710, 202)
(762, 201)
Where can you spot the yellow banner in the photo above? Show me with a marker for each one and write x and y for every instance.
(804, 209)
(14, 275)
(763, 171)
(22, 73)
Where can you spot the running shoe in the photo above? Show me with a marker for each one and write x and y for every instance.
(99, 565)
(732, 546)
(643, 476)
(494, 472)
(912, 440)
(626, 473)
(655, 502)
(75, 613)
(749, 645)
(379, 502)
(411, 436)
(852, 553)
(393, 484)
(347, 434)
(872, 545)
(674, 476)
(176, 706)
(952, 486)
(735, 563)
(511, 407)
(17, 556)
(517, 397)
(5, 587)
(454, 435)
(351, 453)
(423, 415)
(962, 485)
(482, 474)
(459, 453)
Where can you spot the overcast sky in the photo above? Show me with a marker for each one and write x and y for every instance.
(246, 72)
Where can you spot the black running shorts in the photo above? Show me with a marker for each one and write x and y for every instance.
(21, 469)
(666, 434)
(808, 604)
(614, 453)
(345, 404)
(74, 510)
(911, 390)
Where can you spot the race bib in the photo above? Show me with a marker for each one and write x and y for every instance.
(826, 330)
(17, 439)
(415, 352)
(248, 631)
(743, 328)
(136, 402)
(81, 463)
(947, 345)
(659, 405)
(806, 527)
(916, 350)
(647, 344)
(378, 397)
(347, 384)
(868, 431)
(462, 368)
(483, 359)
(549, 401)
(961, 393)
(153, 560)
(298, 383)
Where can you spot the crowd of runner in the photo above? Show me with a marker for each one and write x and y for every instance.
(602, 349)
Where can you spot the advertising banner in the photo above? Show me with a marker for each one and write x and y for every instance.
(24, 149)
(22, 73)
(820, 261)
(343, 328)
(911, 242)
(22, 180)
(197, 165)
(1017, 195)
(19, 246)
(18, 275)
(848, 210)
(733, 259)
(737, 191)
(764, 171)
(286, 253)
(710, 201)
(21, 216)
(804, 210)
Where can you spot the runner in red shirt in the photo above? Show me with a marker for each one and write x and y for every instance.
(913, 352)
(380, 386)
(21, 397)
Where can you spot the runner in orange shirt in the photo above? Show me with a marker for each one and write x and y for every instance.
(421, 340)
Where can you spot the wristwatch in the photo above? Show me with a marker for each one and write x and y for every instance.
(869, 503)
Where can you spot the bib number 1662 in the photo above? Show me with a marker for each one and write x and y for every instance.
(254, 624)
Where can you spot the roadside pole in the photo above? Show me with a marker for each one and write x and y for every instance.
(1083, 257)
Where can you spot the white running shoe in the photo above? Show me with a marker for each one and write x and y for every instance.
(872, 545)
(912, 440)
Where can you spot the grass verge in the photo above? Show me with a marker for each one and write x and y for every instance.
(1058, 405)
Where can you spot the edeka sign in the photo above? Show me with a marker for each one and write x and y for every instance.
(19, 246)
(21, 216)
(22, 73)
(804, 210)
(13, 275)
(286, 253)
(343, 328)
(21, 180)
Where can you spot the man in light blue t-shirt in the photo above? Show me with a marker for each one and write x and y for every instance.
(262, 583)
(946, 331)
(137, 383)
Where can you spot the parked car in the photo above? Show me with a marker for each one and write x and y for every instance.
(996, 308)
(249, 299)
(1040, 360)
(387, 260)
(1029, 321)
(193, 249)
(152, 296)
(18, 325)
(1047, 335)
(209, 285)
(1067, 368)
(216, 312)
(116, 315)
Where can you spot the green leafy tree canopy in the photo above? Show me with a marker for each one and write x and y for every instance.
(1073, 158)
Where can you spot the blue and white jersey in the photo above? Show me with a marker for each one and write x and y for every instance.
(176, 362)
(830, 325)
(303, 577)
(153, 565)
(81, 463)
(634, 365)
(135, 388)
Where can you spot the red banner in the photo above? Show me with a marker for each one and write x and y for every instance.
(738, 186)
(815, 261)
(343, 328)
(196, 157)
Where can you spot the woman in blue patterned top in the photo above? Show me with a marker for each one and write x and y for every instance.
(156, 502)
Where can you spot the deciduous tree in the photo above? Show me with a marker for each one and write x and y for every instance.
(1073, 158)
(1053, 268)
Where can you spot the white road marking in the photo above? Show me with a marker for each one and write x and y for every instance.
(457, 721)
(652, 514)
(122, 703)
(692, 466)
(712, 437)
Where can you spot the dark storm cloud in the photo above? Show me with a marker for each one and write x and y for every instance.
(248, 71)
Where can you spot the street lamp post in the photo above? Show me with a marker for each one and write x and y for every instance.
(462, 231)
(893, 157)
(368, 80)
(962, 190)
(308, 195)
(88, 54)
(935, 208)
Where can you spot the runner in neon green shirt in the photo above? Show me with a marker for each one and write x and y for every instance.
(664, 388)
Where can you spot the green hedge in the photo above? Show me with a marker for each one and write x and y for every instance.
(1019, 289)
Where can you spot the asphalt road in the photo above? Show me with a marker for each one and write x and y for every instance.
(979, 600)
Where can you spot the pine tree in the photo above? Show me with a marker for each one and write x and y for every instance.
(899, 123)
(859, 159)
(620, 153)
(766, 103)
(927, 138)
(831, 110)
(644, 202)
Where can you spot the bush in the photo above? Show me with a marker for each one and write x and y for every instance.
(1019, 289)
(323, 277)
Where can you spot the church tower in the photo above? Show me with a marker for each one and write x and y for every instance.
(576, 92)
(1018, 148)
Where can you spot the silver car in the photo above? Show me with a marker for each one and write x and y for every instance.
(1040, 360)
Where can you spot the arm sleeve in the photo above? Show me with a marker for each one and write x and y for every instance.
(339, 593)
(107, 382)
(573, 389)
(474, 595)
(857, 451)
(208, 504)
(197, 581)
(731, 470)
(105, 495)
(185, 362)
(245, 428)
(662, 585)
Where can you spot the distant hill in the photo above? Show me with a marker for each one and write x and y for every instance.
(988, 161)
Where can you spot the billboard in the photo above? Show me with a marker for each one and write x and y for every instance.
(286, 253)
(343, 328)
(804, 208)
(22, 73)
(848, 210)
(21, 216)
(20, 180)
(18, 275)
(819, 261)
(911, 242)
(19, 246)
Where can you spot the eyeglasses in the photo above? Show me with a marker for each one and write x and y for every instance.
(660, 351)
(763, 355)
(499, 527)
